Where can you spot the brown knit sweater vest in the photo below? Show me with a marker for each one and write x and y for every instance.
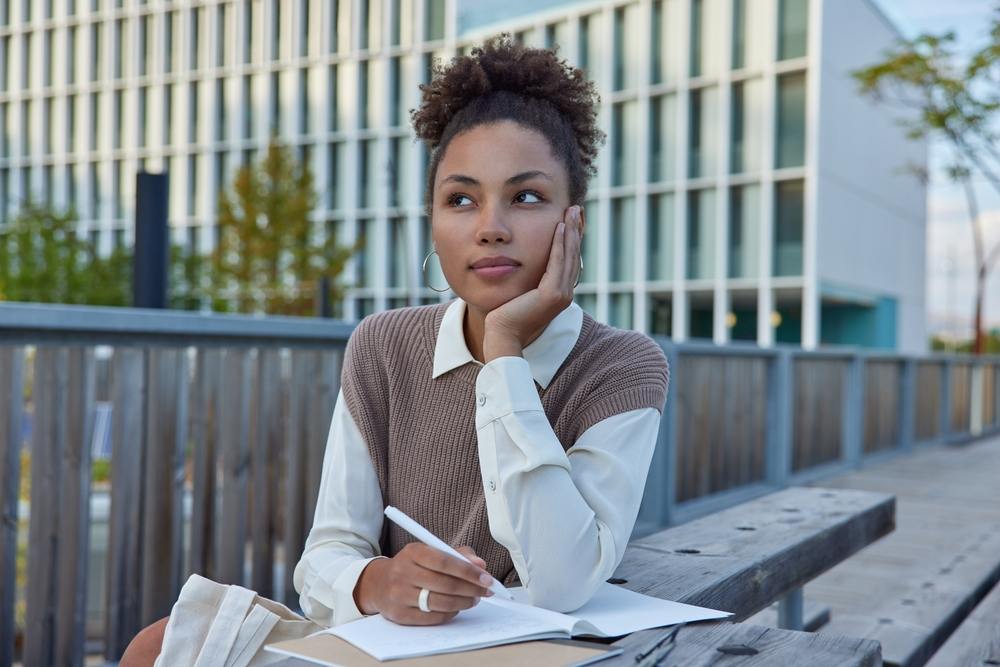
(421, 431)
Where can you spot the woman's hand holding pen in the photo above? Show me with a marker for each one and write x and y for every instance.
(510, 327)
(391, 586)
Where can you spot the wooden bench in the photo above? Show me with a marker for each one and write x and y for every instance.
(745, 558)
(977, 640)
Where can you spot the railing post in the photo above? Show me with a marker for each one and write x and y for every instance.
(945, 407)
(11, 405)
(779, 423)
(659, 496)
(854, 411)
(790, 610)
(907, 404)
(976, 398)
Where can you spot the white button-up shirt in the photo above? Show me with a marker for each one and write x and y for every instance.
(565, 516)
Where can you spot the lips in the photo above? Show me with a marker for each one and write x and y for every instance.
(496, 260)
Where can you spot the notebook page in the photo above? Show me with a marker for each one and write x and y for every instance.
(614, 611)
(483, 625)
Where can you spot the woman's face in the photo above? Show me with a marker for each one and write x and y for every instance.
(498, 192)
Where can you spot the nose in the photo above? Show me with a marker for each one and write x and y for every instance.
(491, 226)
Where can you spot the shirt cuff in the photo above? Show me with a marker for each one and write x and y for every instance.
(503, 386)
(342, 589)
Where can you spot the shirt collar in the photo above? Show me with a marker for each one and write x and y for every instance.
(544, 355)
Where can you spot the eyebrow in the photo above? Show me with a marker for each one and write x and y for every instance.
(517, 178)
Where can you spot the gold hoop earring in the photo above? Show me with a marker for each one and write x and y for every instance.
(423, 272)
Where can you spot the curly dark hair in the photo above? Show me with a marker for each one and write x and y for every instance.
(504, 80)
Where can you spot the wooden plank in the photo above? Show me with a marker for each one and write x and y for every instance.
(293, 471)
(233, 439)
(744, 558)
(74, 510)
(128, 445)
(166, 436)
(322, 397)
(11, 406)
(204, 414)
(699, 644)
(47, 447)
(267, 442)
(977, 640)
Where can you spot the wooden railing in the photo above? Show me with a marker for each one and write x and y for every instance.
(219, 425)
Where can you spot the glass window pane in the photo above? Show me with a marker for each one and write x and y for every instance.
(660, 237)
(620, 311)
(703, 134)
(660, 314)
(793, 23)
(744, 231)
(746, 122)
(701, 234)
(434, 19)
(589, 48)
(668, 35)
(788, 218)
(790, 137)
(749, 47)
(399, 255)
(706, 37)
(663, 138)
(399, 171)
(622, 239)
(337, 182)
(365, 256)
(368, 169)
(626, 56)
(624, 142)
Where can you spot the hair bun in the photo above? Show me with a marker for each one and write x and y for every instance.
(501, 64)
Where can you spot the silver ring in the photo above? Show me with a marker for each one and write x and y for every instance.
(422, 600)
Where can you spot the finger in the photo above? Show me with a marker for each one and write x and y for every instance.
(437, 582)
(571, 265)
(438, 561)
(470, 553)
(444, 602)
(554, 269)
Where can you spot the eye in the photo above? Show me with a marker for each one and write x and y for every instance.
(455, 197)
(528, 193)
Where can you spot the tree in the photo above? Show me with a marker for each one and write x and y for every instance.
(44, 260)
(957, 100)
(266, 258)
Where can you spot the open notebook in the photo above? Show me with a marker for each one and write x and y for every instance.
(611, 612)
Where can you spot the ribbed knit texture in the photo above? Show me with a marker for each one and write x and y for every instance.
(421, 431)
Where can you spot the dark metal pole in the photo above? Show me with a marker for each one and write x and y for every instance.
(152, 246)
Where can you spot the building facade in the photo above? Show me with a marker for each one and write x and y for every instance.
(745, 191)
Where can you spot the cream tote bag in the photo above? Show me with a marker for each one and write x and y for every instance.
(219, 625)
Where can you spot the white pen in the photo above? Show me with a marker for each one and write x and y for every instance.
(427, 537)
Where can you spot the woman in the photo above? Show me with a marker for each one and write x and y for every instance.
(507, 421)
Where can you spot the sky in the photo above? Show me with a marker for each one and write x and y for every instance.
(950, 259)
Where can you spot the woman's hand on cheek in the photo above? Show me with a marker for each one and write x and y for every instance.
(511, 326)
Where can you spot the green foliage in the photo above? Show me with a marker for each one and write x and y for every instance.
(266, 258)
(44, 260)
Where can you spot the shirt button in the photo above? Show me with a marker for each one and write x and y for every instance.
(493, 485)
(482, 399)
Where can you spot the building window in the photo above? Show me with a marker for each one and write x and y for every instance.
(192, 185)
(397, 113)
(220, 36)
(622, 235)
(434, 20)
(661, 319)
(745, 126)
(276, 30)
(121, 48)
(399, 173)
(788, 219)
(365, 256)
(662, 138)
(705, 37)
(660, 237)
(700, 234)
(368, 169)
(304, 101)
(141, 126)
(193, 108)
(371, 23)
(220, 109)
(623, 142)
(333, 101)
(744, 230)
(168, 41)
(4, 63)
(399, 254)
(275, 103)
(363, 102)
(247, 106)
(620, 311)
(48, 124)
(71, 55)
(626, 46)
(790, 136)
(47, 63)
(702, 134)
(336, 176)
(119, 119)
(168, 113)
(666, 39)
(95, 119)
(95, 191)
(793, 23)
